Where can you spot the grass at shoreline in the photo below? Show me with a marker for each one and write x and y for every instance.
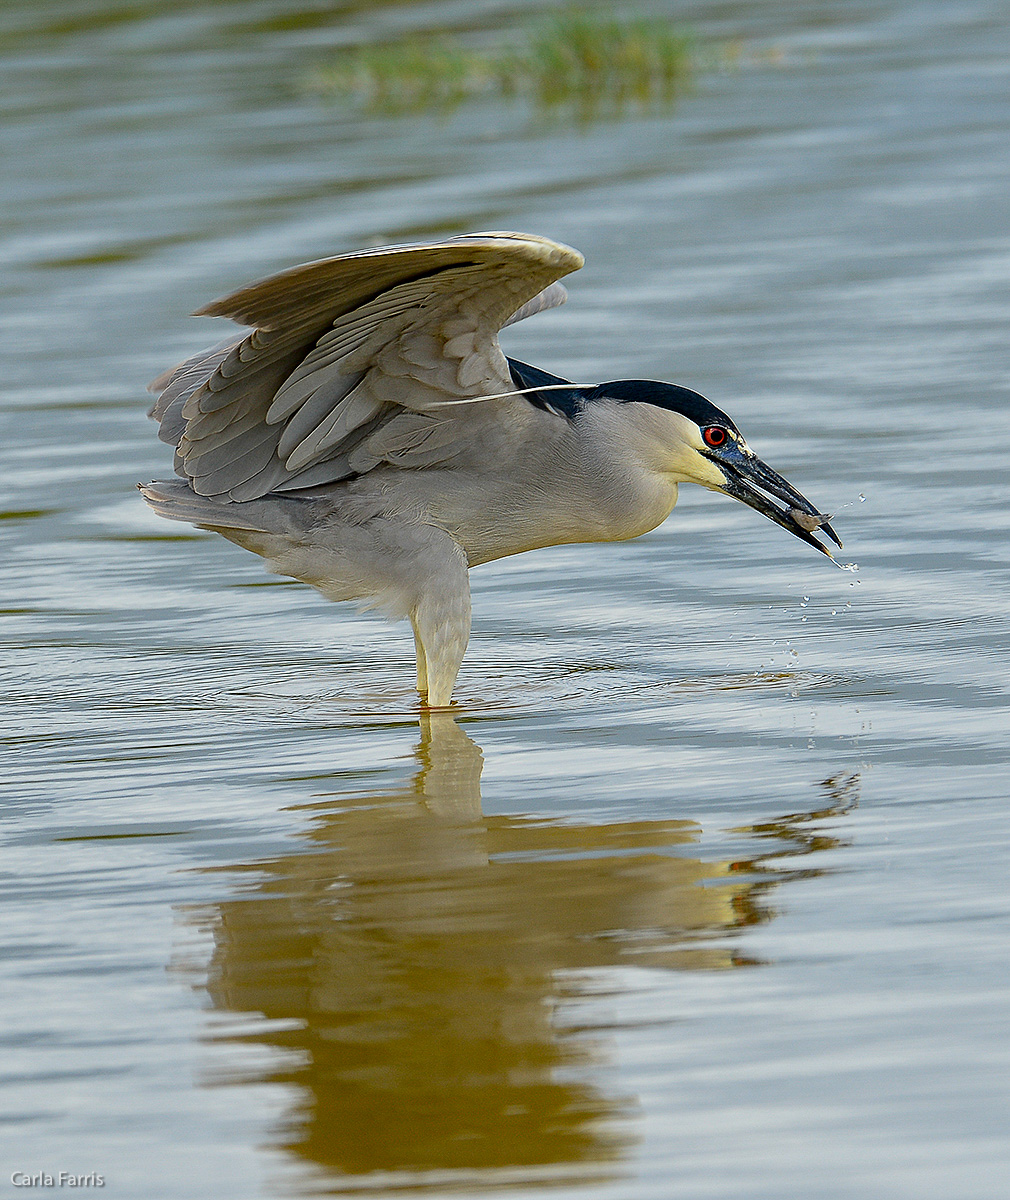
(576, 60)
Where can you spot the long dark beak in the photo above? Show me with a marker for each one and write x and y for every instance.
(752, 481)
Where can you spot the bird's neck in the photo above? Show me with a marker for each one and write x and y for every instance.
(568, 486)
(622, 496)
(561, 483)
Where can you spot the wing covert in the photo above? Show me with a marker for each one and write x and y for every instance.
(351, 362)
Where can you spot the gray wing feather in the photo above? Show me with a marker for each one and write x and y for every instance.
(345, 357)
(178, 383)
(353, 411)
(550, 297)
(230, 465)
(335, 403)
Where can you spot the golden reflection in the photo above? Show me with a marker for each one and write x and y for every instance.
(415, 972)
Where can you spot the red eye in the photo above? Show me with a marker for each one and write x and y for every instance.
(714, 436)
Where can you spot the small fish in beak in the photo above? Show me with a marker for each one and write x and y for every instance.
(809, 521)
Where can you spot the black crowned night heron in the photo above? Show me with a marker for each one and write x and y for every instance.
(369, 437)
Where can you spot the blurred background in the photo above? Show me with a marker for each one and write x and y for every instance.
(697, 893)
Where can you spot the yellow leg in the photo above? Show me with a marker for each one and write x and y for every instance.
(422, 667)
(441, 622)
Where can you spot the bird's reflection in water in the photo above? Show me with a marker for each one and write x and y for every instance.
(420, 966)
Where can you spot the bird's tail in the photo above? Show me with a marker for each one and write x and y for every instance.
(176, 500)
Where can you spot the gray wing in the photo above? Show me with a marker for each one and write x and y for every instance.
(355, 361)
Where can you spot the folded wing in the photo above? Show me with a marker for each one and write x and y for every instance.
(355, 361)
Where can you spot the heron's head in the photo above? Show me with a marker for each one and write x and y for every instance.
(687, 438)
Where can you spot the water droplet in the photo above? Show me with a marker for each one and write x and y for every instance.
(802, 619)
(834, 612)
(862, 498)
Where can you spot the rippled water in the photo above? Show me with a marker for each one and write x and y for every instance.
(702, 892)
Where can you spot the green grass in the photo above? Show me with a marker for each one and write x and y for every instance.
(596, 61)
(577, 60)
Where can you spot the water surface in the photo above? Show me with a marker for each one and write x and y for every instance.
(700, 893)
